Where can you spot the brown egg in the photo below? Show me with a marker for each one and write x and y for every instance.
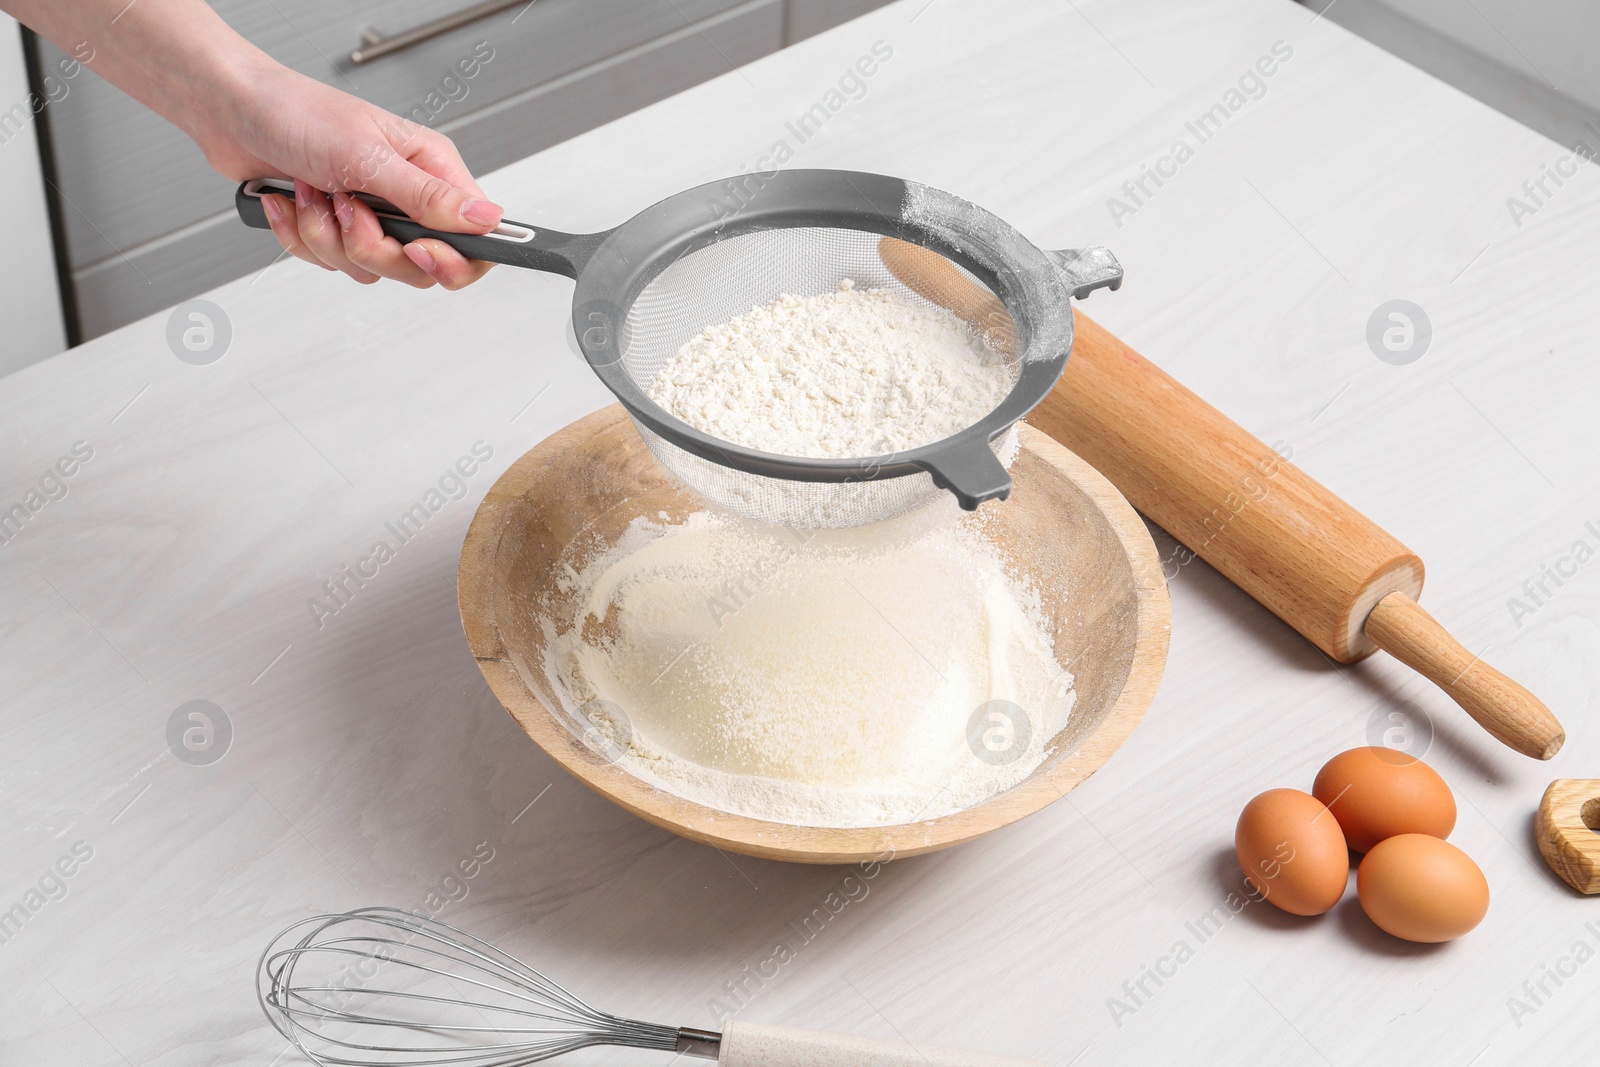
(1421, 888)
(1377, 793)
(1292, 851)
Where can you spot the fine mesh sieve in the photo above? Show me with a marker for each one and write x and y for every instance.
(722, 280)
(708, 254)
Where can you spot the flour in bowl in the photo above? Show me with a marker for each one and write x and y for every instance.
(822, 678)
(854, 372)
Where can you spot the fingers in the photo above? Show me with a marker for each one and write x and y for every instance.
(425, 178)
(338, 232)
(322, 234)
(444, 264)
(432, 185)
(420, 263)
(437, 204)
(285, 225)
(436, 154)
(369, 248)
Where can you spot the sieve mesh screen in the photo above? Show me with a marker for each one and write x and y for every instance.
(728, 278)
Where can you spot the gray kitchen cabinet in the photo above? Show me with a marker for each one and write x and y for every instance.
(807, 18)
(1530, 59)
(146, 223)
(29, 297)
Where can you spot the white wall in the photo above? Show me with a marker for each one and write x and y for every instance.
(30, 300)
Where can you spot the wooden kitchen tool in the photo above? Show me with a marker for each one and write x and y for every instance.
(1568, 830)
(1309, 557)
(575, 494)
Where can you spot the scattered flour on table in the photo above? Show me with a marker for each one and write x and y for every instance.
(855, 372)
(824, 678)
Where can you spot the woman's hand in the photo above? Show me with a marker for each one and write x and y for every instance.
(255, 118)
(286, 125)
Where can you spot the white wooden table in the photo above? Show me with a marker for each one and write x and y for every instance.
(368, 758)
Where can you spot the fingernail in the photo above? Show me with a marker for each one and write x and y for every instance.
(273, 209)
(342, 210)
(302, 193)
(481, 213)
(419, 255)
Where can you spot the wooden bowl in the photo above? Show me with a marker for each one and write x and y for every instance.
(1064, 524)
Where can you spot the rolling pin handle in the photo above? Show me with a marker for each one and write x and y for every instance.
(1088, 269)
(1400, 626)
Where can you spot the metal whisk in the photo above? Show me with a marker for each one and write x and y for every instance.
(346, 981)
(380, 986)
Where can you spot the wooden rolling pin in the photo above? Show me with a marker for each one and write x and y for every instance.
(1314, 561)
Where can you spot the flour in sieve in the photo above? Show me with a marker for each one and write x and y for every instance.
(855, 372)
(825, 678)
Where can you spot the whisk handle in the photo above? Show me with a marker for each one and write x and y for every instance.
(757, 1045)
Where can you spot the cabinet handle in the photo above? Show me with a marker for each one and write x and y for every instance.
(374, 45)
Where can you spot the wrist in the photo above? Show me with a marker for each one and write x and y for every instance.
(217, 86)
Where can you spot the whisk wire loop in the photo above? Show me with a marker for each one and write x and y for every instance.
(315, 992)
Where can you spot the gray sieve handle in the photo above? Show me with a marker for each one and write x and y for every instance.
(972, 472)
(515, 243)
(1088, 269)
